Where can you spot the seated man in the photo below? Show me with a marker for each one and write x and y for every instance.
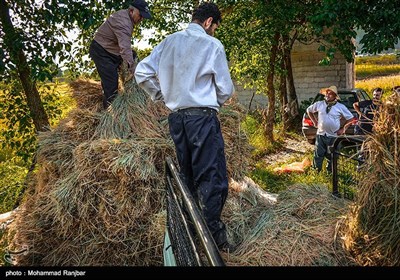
(366, 110)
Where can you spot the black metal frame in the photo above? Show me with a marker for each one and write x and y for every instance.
(179, 193)
(335, 149)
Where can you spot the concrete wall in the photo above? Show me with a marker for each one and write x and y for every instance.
(245, 96)
(309, 76)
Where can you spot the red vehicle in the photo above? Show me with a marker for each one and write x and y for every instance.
(347, 97)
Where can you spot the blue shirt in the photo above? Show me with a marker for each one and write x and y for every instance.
(187, 69)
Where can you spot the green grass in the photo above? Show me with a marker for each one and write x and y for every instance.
(386, 83)
(253, 127)
(262, 173)
(370, 71)
(63, 99)
(377, 66)
(265, 176)
(386, 59)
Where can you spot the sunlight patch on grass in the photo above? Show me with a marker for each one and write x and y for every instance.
(369, 67)
(370, 71)
(386, 83)
(270, 181)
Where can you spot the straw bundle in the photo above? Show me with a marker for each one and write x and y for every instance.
(237, 149)
(298, 230)
(372, 230)
(88, 96)
(98, 196)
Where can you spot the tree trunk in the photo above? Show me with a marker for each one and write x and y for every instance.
(283, 98)
(17, 56)
(293, 103)
(269, 114)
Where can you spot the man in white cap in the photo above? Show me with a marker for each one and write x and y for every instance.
(112, 45)
(328, 123)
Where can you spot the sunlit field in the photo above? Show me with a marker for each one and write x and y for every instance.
(378, 71)
(386, 83)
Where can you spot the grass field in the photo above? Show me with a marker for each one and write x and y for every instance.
(368, 67)
(378, 71)
(386, 83)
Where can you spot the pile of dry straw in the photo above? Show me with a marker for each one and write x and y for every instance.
(372, 230)
(98, 196)
(298, 230)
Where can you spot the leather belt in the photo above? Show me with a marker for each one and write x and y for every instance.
(198, 111)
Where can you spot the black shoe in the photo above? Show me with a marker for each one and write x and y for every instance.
(227, 247)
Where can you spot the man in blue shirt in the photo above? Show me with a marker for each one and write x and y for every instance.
(189, 72)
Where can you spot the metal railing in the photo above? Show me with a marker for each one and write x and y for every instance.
(191, 241)
(346, 161)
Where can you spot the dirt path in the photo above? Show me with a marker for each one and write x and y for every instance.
(292, 148)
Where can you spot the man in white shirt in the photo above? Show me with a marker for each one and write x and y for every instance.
(328, 123)
(189, 71)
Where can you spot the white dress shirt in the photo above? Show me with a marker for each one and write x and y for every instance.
(187, 69)
(329, 123)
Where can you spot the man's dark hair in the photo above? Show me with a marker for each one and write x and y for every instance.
(378, 89)
(206, 10)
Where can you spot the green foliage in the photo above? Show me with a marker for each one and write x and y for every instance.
(17, 131)
(11, 184)
(16, 152)
(252, 125)
(336, 22)
(304, 105)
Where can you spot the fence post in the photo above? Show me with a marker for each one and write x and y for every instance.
(334, 158)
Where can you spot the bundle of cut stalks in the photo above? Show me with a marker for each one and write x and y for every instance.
(297, 230)
(372, 230)
(98, 196)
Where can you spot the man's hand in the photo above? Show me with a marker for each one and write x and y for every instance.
(313, 119)
(129, 77)
(315, 123)
(340, 131)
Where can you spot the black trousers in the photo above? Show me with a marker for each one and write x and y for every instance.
(107, 65)
(200, 152)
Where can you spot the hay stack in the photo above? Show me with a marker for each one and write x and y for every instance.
(98, 196)
(372, 230)
(298, 230)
